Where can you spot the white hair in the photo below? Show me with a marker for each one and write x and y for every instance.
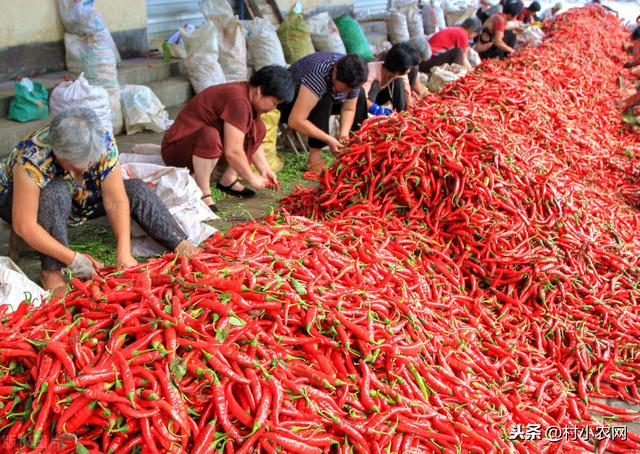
(76, 136)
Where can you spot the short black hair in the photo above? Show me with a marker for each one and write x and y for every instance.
(352, 70)
(534, 7)
(512, 7)
(473, 24)
(400, 58)
(275, 81)
(635, 34)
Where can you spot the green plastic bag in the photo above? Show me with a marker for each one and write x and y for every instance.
(353, 37)
(30, 102)
(295, 38)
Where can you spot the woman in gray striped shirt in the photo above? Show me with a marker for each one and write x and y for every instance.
(326, 83)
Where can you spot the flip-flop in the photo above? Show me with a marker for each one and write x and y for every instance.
(212, 207)
(246, 193)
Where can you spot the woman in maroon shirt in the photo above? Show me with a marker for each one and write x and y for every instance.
(224, 121)
(496, 41)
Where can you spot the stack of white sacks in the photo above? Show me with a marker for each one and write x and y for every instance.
(90, 50)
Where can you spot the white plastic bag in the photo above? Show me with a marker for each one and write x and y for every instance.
(531, 36)
(264, 45)
(325, 36)
(397, 28)
(80, 93)
(180, 194)
(443, 75)
(15, 287)
(473, 57)
(80, 16)
(202, 56)
(142, 109)
(414, 23)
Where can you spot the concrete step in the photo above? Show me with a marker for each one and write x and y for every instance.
(12, 132)
(139, 71)
(175, 91)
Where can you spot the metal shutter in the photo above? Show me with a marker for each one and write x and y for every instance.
(370, 8)
(165, 17)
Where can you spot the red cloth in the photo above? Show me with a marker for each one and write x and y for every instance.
(521, 17)
(199, 127)
(448, 38)
(498, 22)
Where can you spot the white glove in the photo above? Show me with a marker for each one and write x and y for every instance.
(82, 266)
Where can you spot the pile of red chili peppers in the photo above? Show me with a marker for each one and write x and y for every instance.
(468, 267)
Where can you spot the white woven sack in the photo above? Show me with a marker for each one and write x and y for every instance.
(94, 56)
(414, 23)
(232, 48)
(324, 34)
(142, 110)
(397, 26)
(263, 44)
(202, 56)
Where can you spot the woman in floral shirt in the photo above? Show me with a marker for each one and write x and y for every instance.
(69, 172)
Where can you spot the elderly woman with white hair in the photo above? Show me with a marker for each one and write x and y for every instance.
(68, 171)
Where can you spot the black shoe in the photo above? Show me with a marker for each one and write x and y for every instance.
(212, 207)
(246, 193)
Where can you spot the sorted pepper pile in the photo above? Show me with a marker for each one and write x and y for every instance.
(470, 267)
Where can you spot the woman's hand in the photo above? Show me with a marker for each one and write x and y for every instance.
(334, 145)
(269, 175)
(124, 261)
(84, 266)
(185, 247)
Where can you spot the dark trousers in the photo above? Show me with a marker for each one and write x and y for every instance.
(394, 93)
(321, 113)
(56, 204)
(453, 55)
(509, 39)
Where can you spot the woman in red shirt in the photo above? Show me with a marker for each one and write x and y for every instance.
(528, 15)
(224, 120)
(450, 45)
(495, 41)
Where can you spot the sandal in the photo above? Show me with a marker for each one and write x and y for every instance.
(212, 207)
(245, 193)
